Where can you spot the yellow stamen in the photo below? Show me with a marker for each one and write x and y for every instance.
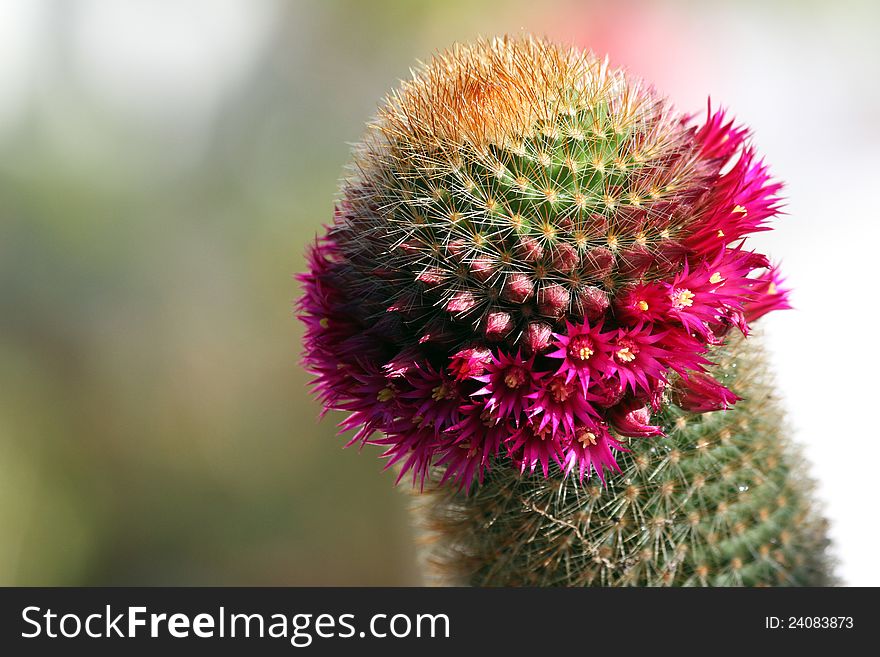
(324, 322)
(771, 289)
(625, 355)
(587, 438)
(385, 395)
(683, 298)
(715, 278)
(442, 392)
(643, 305)
(741, 210)
(560, 391)
(514, 379)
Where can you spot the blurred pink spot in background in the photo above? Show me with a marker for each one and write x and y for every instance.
(660, 44)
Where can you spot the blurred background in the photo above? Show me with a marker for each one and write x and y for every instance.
(163, 164)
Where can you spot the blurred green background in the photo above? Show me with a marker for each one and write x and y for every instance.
(162, 166)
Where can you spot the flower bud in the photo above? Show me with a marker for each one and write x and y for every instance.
(633, 420)
(553, 300)
(700, 393)
(537, 337)
(519, 288)
(499, 324)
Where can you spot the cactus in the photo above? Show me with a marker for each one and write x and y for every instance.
(722, 500)
(534, 295)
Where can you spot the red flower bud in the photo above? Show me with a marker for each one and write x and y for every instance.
(606, 392)
(456, 248)
(598, 263)
(700, 393)
(431, 276)
(565, 257)
(482, 269)
(530, 250)
(519, 288)
(469, 363)
(499, 324)
(461, 302)
(553, 300)
(633, 420)
(591, 302)
(670, 254)
(537, 337)
(635, 261)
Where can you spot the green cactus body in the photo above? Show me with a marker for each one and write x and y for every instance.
(533, 265)
(506, 237)
(723, 500)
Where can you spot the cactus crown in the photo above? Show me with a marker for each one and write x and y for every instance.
(531, 254)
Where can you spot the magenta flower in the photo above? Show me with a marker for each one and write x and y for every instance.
(529, 448)
(509, 380)
(685, 350)
(560, 405)
(768, 294)
(512, 282)
(582, 349)
(436, 399)
(643, 302)
(472, 445)
(638, 357)
(590, 449)
(374, 404)
(413, 449)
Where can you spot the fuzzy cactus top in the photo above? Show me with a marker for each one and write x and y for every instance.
(531, 254)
